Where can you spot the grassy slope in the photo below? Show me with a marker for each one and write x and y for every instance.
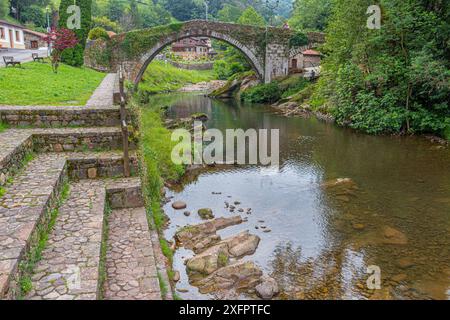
(160, 77)
(36, 84)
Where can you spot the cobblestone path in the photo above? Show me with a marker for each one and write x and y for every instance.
(130, 262)
(22, 207)
(69, 268)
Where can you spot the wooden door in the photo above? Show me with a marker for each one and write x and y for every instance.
(294, 63)
(11, 39)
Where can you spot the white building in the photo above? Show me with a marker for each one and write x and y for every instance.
(11, 35)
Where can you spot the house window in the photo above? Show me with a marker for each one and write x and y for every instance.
(17, 36)
(2, 33)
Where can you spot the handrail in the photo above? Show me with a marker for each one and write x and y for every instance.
(123, 124)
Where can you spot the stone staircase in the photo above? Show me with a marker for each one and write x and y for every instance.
(94, 244)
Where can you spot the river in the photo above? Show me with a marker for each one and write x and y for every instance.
(396, 214)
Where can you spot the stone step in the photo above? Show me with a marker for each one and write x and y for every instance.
(16, 143)
(33, 193)
(59, 116)
(131, 271)
(124, 193)
(69, 267)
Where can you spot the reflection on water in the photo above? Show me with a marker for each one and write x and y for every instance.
(396, 216)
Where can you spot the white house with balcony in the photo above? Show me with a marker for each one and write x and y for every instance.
(11, 35)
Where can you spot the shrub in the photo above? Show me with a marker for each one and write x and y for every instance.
(263, 93)
(98, 33)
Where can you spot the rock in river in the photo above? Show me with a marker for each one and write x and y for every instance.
(189, 236)
(267, 289)
(205, 213)
(239, 276)
(178, 205)
(394, 236)
(218, 255)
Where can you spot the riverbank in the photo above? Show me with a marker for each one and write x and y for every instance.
(162, 77)
(294, 96)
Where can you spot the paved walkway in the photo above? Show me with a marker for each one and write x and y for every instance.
(130, 262)
(103, 95)
(69, 268)
(20, 55)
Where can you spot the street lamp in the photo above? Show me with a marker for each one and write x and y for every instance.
(49, 49)
(206, 8)
(271, 6)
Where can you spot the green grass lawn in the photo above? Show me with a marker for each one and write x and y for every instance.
(160, 77)
(36, 84)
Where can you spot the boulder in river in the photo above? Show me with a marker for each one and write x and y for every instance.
(241, 276)
(218, 255)
(267, 289)
(189, 235)
(394, 236)
(179, 205)
(205, 213)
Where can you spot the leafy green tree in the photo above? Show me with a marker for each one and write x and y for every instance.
(229, 13)
(396, 79)
(310, 14)
(184, 10)
(75, 56)
(251, 17)
(115, 9)
(4, 8)
(35, 15)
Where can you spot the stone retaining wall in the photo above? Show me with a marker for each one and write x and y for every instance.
(53, 142)
(13, 161)
(98, 168)
(59, 116)
(193, 66)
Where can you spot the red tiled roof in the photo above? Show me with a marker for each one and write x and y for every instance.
(39, 34)
(310, 52)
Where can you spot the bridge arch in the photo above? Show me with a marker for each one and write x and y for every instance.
(266, 49)
(148, 57)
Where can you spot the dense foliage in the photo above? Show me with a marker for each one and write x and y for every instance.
(396, 79)
(98, 33)
(75, 56)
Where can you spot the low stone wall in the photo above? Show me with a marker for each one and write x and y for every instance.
(59, 116)
(82, 168)
(125, 196)
(193, 66)
(81, 141)
(13, 161)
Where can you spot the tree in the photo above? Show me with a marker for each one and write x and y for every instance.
(75, 56)
(310, 14)
(391, 80)
(184, 10)
(4, 8)
(229, 13)
(60, 40)
(116, 8)
(251, 17)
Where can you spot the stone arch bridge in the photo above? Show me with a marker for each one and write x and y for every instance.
(266, 49)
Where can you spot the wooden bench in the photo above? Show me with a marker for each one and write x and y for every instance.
(36, 57)
(9, 61)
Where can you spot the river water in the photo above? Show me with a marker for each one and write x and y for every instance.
(395, 214)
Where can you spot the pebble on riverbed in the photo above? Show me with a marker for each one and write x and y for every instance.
(178, 205)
